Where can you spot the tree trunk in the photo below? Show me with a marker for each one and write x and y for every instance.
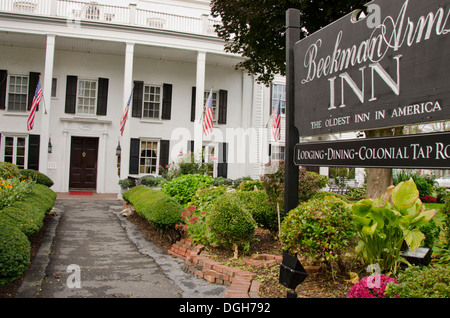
(378, 180)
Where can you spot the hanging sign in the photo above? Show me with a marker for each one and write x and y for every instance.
(389, 69)
(423, 151)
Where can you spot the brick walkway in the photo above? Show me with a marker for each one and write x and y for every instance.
(241, 283)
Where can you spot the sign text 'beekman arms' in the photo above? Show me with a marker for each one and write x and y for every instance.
(356, 75)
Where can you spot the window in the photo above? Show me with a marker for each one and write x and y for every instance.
(278, 94)
(214, 102)
(152, 101)
(277, 153)
(86, 97)
(54, 87)
(148, 159)
(92, 12)
(15, 151)
(18, 93)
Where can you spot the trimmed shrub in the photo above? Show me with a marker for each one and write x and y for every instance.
(257, 203)
(320, 229)
(421, 282)
(183, 188)
(28, 214)
(230, 223)
(14, 253)
(156, 207)
(38, 177)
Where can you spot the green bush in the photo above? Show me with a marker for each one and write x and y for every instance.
(356, 193)
(421, 282)
(8, 171)
(156, 207)
(183, 188)
(230, 223)
(12, 190)
(28, 214)
(309, 183)
(320, 229)
(425, 184)
(14, 253)
(256, 202)
(36, 176)
(204, 198)
(323, 194)
(250, 185)
(222, 181)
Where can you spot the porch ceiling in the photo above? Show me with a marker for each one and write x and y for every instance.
(37, 41)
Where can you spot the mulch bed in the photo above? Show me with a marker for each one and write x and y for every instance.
(319, 285)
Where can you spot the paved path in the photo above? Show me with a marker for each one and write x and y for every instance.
(91, 251)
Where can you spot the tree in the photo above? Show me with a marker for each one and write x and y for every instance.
(255, 29)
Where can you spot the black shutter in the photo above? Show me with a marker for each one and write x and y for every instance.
(33, 151)
(3, 82)
(222, 165)
(102, 97)
(71, 94)
(164, 146)
(194, 92)
(223, 103)
(33, 80)
(134, 156)
(190, 146)
(270, 150)
(138, 94)
(167, 101)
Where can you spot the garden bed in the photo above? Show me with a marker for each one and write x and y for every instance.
(319, 285)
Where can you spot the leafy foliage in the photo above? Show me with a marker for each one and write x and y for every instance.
(36, 176)
(384, 223)
(14, 253)
(183, 188)
(255, 29)
(8, 171)
(309, 184)
(319, 229)
(230, 223)
(422, 282)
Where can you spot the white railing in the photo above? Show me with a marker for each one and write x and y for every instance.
(94, 12)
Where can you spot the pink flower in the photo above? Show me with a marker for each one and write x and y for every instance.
(193, 219)
(370, 287)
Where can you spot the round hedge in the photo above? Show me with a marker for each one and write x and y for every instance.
(14, 253)
(230, 222)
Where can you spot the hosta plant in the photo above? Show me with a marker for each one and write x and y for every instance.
(384, 223)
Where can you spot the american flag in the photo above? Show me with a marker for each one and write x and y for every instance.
(276, 122)
(36, 100)
(208, 120)
(123, 120)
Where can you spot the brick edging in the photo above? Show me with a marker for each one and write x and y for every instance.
(241, 283)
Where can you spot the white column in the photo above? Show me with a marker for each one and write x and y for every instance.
(45, 106)
(127, 86)
(199, 100)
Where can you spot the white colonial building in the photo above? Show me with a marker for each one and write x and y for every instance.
(90, 56)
